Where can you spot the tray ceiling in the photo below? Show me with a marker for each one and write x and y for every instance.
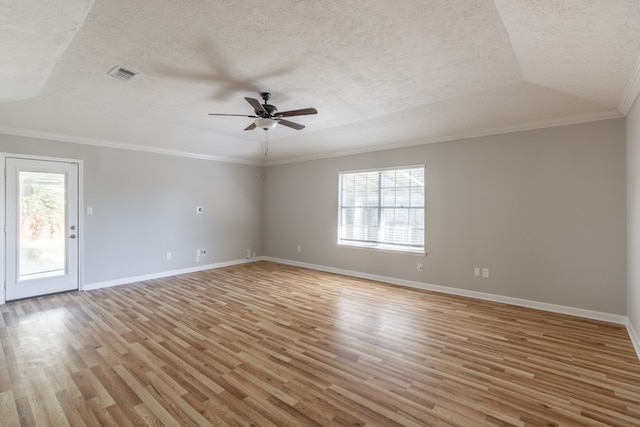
(381, 74)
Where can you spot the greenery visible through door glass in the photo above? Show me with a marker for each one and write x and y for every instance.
(42, 225)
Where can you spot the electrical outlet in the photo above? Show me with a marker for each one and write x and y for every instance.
(485, 273)
(198, 253)
(199, 209)
(476, 271)
(169, 255)
(419, 266)
(203, 251)
(299, 248)
(197, 259)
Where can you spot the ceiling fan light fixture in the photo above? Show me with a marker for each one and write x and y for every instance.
(265, 123)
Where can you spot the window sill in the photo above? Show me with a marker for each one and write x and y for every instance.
(382, 248)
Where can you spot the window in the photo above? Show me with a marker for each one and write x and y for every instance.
(382, 209)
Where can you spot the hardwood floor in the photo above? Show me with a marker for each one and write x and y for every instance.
(265, 344)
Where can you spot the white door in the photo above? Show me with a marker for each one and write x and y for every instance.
(41, 242)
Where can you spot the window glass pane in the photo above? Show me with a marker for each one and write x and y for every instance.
(373, 197)
(347, 232)
(348, 181)
(417, 237)
(387, 217)
(402, 217)
(388, 197)
(389, 179)
(417, 196)
(403, 196)
(417, 218)
(403, 178)
(347, 198)
(371, 217)
(359, 184)
(402, 235)
(347, 216)
(373, 179)
(41, 237)
(418, 175)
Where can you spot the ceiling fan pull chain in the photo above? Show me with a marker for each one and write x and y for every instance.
(266, 142)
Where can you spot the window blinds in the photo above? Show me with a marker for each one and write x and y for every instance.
(382, 209)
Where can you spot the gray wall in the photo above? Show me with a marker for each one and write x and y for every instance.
(145, 206)
(544, 210)
(633, 216)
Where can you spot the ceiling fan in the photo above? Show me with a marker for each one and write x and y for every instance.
(267, 116)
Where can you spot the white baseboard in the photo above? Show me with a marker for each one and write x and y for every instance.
(134, 279)
(634, 337)
(555, 308)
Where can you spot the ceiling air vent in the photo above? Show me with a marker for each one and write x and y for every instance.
(121, 73)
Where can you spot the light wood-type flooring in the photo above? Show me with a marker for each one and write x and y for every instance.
(265, 344)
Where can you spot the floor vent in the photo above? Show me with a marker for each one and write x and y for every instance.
(121, 73)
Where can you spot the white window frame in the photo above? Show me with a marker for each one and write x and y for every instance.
(378, 244)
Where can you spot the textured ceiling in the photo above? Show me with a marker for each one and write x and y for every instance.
(381, 74)
(34, 35)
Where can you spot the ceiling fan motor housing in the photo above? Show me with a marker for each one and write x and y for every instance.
(270, 109)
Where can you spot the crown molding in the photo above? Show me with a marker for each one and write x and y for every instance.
(585, 118)
(29, 133)
(404, 144)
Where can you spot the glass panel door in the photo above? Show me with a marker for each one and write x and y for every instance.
(41, 219)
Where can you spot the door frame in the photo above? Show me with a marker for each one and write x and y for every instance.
(3, 183)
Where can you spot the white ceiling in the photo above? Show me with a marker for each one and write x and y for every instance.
(381, 74)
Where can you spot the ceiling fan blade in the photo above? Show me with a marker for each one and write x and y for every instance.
(296, 126)
(301, 112)
(257, 107)
(251, 126)
(233, 115)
